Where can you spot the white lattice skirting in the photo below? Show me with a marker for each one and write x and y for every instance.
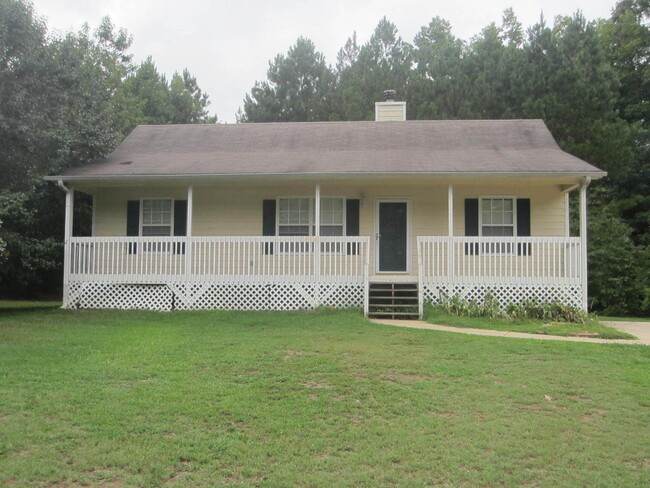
(505, 294)
(223, 296)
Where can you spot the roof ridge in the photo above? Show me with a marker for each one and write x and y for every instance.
(339, 122)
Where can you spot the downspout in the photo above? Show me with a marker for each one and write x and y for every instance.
(69, 209)
(583, 241)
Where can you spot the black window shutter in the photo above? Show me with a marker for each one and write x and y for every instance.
(180, 224)
(180, 217)
(133, 222)
(523, 225)
(352, 223)
(268, 222)
(471, 224)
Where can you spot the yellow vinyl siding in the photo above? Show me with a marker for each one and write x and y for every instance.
(236, 209)
(546, 205)
(110, 206)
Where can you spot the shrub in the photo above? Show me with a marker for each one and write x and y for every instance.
(618, 270)
(458, 306)
(529, 309)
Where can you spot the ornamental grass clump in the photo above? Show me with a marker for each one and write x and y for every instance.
(533, 309)
(456, 305)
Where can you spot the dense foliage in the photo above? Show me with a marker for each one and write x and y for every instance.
(65, 100)
(588, 80)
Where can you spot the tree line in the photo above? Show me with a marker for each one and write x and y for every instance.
(588, 80)
(65, 100)
(68, 99)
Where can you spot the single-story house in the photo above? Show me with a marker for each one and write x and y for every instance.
(384, 215)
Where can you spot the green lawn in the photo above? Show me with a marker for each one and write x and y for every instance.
(6, 305)
(624, 319)
(92, 398)
(594, 328)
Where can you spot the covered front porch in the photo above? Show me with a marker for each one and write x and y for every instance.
(385, 235)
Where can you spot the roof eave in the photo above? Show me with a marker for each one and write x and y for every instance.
(541, 174)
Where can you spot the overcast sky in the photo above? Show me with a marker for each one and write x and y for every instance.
(227, 44)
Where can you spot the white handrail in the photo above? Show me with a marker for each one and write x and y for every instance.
(209, 259)
(506, 260)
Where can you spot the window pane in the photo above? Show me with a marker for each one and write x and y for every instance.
(156, 212)
(331, 211)
(331, 230)
(294, 211)
(156, 230)
(293, 230)
(486, 217)
(507, 205)
(497, 231)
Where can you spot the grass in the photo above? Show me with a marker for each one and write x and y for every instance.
(594, 328)
(100, 398)
(624, 319)
(7, 305)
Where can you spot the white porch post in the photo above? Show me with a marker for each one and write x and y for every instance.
(67, 235)
(567, 216)
(188, 224)
(450, 208)
(583, 241)
(317, 244)
(450, 216)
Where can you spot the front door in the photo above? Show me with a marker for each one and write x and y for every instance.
(392, 236)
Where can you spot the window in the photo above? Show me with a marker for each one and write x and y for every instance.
(497, 217)
(156, 217)
(296, 217)
(331, 217)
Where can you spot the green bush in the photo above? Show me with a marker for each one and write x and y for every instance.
(618, 270)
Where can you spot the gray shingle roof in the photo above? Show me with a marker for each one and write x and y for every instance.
(427, 147)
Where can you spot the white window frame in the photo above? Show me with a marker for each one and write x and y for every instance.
(333, 249)
(312, 223)
(310, 211)
(344, 222)
(491, 249)
(500, 197)
(171, 223)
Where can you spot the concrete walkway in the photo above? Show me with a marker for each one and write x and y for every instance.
(638, 329)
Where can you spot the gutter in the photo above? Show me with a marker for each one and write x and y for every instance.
(185, 176)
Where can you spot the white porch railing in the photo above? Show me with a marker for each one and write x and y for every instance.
(237, 259)
(514, 268)
(270, 273)
(500, 259)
